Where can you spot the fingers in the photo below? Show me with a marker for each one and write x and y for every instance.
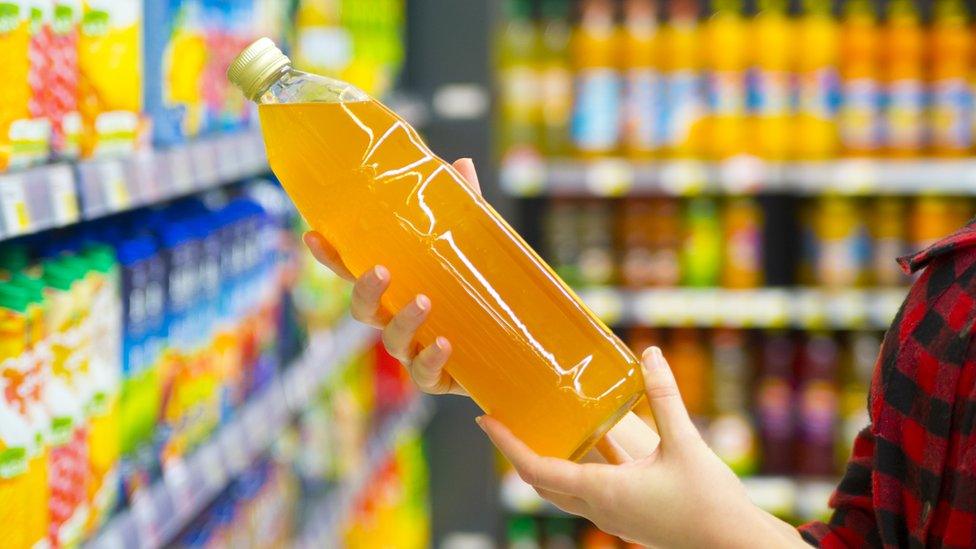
(427, 369)
(399, 333)
(557, 475)
(569, 504)
(465, 167)
(612, 452)
(670, 413)
(325, 254)
(366, 295)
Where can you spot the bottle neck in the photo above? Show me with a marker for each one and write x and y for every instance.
(270, 83)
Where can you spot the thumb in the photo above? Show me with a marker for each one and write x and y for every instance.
(670, 414)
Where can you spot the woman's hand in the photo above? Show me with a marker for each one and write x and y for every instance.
(680, 494)
(426, 366)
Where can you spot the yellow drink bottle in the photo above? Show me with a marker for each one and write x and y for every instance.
(951, 111)
(725, 36)
(555, 78)
(518, 75)
(904, 43)
(860, 111)
(597, 102)
(642, 81)
(524, 346)
(816, 125)
(684, 108)
(773, 61)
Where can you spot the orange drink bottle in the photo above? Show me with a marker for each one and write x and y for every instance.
(642, 81)
(860, 110)
(596, 122)
(524, 346)
(816, 128)
(726, 35)
(682, 116)
(951, 111)
(772, 63)
(904, 44)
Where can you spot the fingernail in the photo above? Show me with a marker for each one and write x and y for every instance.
(480, 420)
(422, 303)
(378, 275)
(441, 343)
(651, 358)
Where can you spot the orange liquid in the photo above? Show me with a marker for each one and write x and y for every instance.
(524, 346)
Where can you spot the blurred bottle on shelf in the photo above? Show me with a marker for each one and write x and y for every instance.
(841, 243)
(556, 78)
(742, 264)
(856, 369)
(642, 79)
(691, 364)
(726, 61)
(594, 538)
(637, 264)
(819, 408)
(731, 433)
(950, 60)
(519, 85)
(888, 241)
(772, 62)
(701, 261)
(523, 533)
(859, 118)
(664, 237)
(596, 258)
(684, 102)
(774, 406)
(563, 239)
(24, 129)
(596, 122)
(933, 218)
(817, 81)
(560, 533)
(903, 68)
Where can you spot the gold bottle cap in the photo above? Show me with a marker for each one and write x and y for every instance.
(256, 67)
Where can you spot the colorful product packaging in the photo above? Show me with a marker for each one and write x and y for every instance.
(110, 87)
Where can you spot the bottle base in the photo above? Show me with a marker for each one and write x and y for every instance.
(604, 427)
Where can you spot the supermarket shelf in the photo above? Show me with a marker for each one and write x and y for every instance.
(761, 308)
(744, 174)
(58, 195)
(799, 498)
(332, 509)
(168, 507)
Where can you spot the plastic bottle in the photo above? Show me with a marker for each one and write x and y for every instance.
(742, 265)
(904, 49)
(817, 82)
(860, 110)
(772, 61)
(731, 433)
(556, 78)
(684, 102)
(691, 362)
(819, 406)
(842, 243)
(950, 50)
(519, 83)
(563, 239)
(726, 33)
(596, 125)
(888, 241)
(701, 255)
(596, 258)
(437, 236)
(775, 401)
(642, 79)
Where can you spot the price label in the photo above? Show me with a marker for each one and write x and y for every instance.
(809, 309)
(228, 163)
(855, 176)
(609, 177)
(180, 167)
(204, 156)
(742, 174)
(523, 175)
(13, 200)
(114, 186)
(605, 303)
(64, 197)
(683, 177)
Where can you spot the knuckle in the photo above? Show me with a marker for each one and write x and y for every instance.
(663, 391)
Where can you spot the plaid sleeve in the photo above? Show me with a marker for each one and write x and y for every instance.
(911, 480)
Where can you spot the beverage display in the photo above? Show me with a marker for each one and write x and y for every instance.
(860, 109)
(816, 90)
(725, 36)
(951, 102)
(770, 89)
(684, 100)
(596, 122)
(642, 80)
(902, 66)
(386, 183)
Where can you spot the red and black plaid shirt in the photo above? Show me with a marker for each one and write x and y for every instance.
(911, 480)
